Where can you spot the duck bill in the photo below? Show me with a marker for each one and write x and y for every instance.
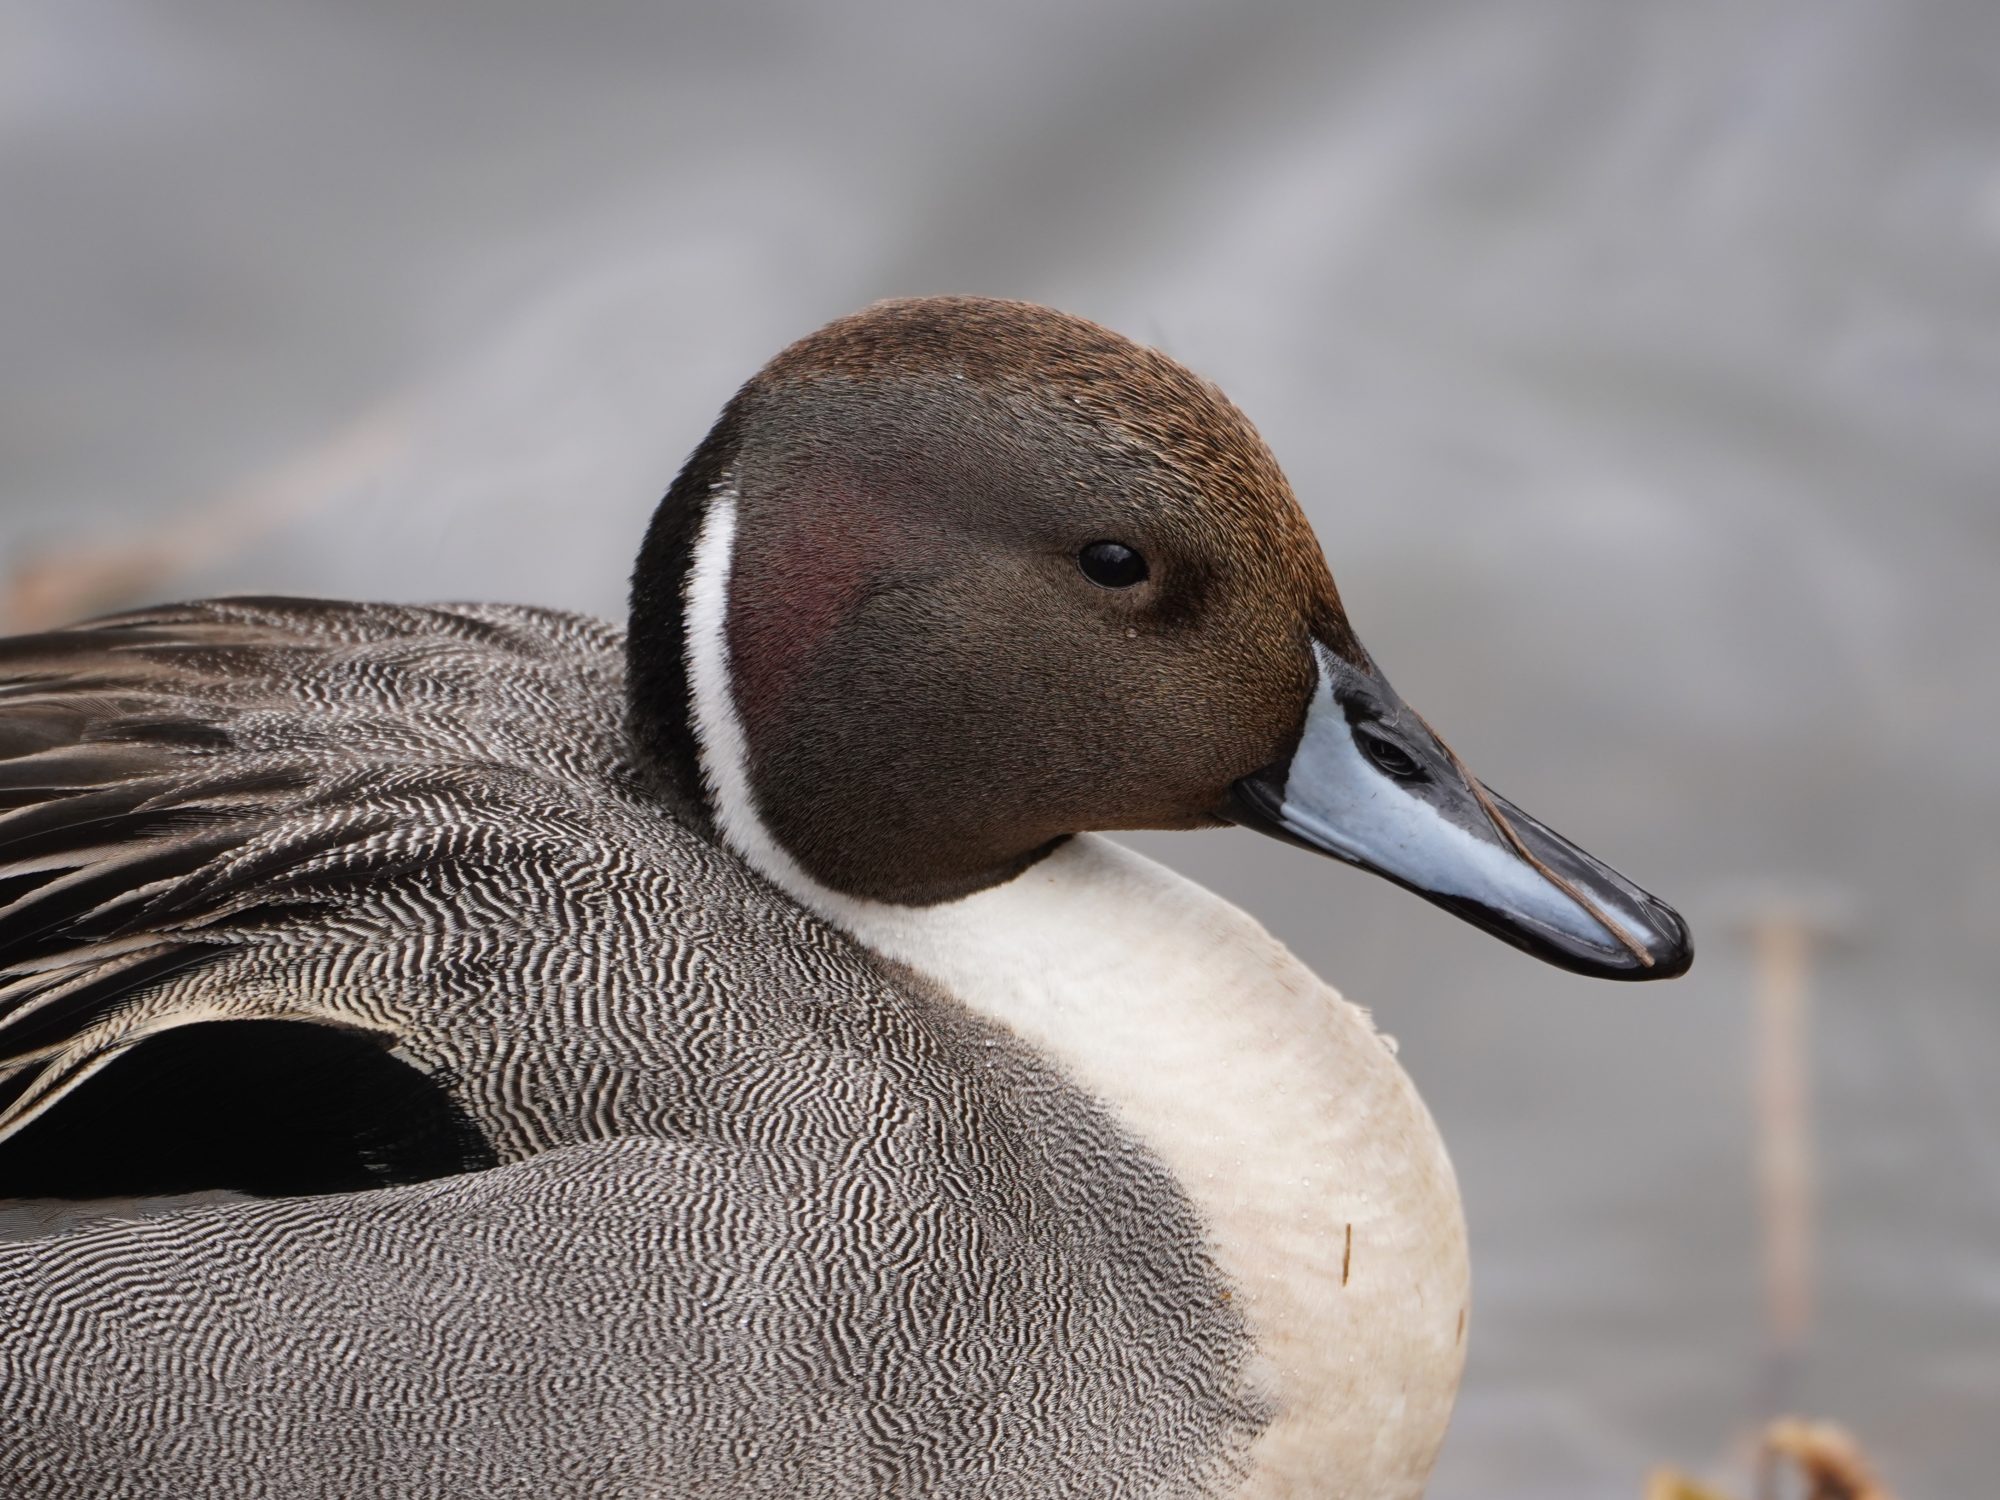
(1369, 783)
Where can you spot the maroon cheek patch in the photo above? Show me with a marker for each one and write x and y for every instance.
(792, 586)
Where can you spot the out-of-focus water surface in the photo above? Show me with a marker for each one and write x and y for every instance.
(1639, 365)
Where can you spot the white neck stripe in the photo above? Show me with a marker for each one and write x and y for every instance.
(721, 745)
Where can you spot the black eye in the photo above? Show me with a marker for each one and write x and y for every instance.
(1112, 565)
(1390, 758)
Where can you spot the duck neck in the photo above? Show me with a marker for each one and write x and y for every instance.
(660, 711)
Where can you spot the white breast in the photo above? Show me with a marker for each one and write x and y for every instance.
(1285, 1116)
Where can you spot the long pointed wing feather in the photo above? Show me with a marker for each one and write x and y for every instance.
(177, 784)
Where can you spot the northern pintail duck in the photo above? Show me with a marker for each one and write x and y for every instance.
(833, 1112)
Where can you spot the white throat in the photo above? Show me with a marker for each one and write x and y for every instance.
(1325, 1188)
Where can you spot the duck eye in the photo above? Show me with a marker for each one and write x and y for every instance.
(1388, 757)
(1112, 565)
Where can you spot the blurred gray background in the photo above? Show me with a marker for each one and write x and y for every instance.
(1639, 365)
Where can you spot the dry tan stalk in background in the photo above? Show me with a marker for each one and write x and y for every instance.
(1672, 1484)
(1782, 941)
(88, 577)
(1826, 1458)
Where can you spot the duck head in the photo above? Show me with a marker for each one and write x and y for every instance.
(954, 579)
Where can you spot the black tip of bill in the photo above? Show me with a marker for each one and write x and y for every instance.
(1371, 785)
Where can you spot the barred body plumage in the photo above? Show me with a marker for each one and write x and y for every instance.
(755, 1215)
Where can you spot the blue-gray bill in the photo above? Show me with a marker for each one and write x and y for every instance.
(1369, 783)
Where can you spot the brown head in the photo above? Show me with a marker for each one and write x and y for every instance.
(953, 579)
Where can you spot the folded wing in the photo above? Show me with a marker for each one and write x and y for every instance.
(191, 799)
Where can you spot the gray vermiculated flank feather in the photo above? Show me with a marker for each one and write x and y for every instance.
(771, 1219)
